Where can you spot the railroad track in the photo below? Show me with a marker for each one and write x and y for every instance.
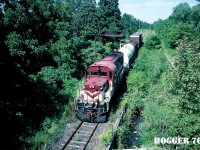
(80, 137)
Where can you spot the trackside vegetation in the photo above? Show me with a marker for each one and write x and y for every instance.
(164, 83)
(144, 90)
(167, 97)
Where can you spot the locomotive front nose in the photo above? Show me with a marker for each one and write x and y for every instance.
(95, 84)
(90, 114)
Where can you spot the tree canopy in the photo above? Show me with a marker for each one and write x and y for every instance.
(184, 21)
(45, 46)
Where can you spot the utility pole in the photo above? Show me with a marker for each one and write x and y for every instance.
(139, 25)
(95, 46)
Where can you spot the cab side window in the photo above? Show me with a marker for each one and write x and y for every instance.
(87, 74)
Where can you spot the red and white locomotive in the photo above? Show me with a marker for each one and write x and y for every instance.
(102, 80)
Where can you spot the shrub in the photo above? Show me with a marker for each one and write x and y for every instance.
(152, 42)
(106, 137)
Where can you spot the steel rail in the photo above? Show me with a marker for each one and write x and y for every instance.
(87, 136)
(72, 135)
(91, 136)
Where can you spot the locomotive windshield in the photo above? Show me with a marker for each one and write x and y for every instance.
(103, 74)
(93, 73)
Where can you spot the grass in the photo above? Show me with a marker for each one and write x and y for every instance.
(106, 137)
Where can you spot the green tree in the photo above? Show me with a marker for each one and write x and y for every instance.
(37, 60)
(184, 21)
(85, 20)
(110, 16)
(181, 13)
(129, 25)
(170, 33)
(185, 88)
(152, 42)
(195, 15)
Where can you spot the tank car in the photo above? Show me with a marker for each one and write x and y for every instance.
(102, 79)
(129, 53)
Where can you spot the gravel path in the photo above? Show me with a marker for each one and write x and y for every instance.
(170, 60)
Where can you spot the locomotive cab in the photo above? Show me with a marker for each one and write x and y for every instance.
(101, 81)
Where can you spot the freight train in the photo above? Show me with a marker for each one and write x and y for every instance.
(102, 79)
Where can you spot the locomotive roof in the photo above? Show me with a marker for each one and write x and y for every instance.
(135, 34)
(108, 61)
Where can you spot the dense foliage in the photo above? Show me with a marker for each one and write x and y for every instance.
(37, 62)
(185, 88)
(109, 16)
(143, 93)
(130, 23)
(152, 42)
(164, 82)
(184, 21)
(164, 89)
(45, 46)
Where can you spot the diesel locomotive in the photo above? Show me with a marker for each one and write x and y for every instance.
(102, 79)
